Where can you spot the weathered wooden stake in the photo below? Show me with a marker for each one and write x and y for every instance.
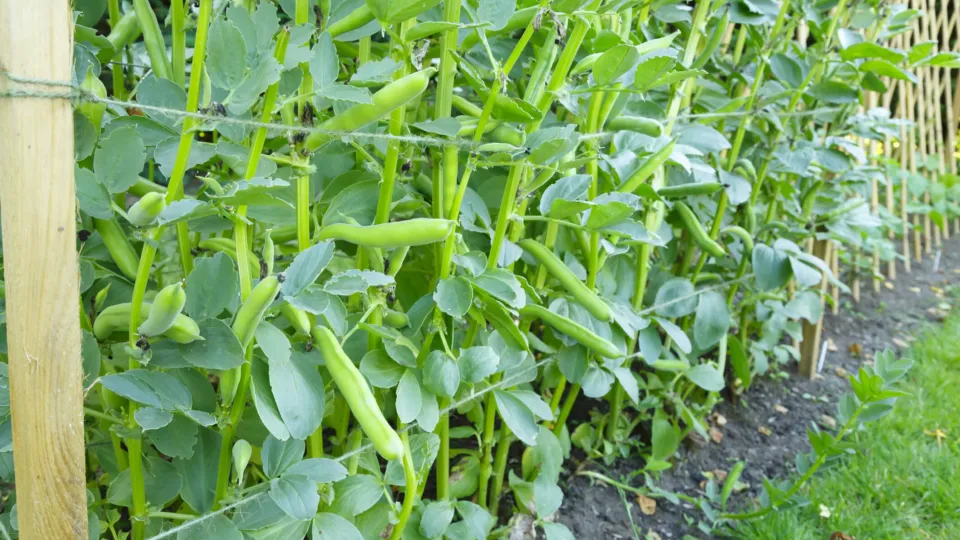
(813, 332)
(41, 273)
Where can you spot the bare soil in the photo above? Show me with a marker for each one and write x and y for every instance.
(767, 426)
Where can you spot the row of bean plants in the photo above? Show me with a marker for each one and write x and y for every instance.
(349, 269)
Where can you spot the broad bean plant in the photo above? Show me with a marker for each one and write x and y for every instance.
(343, 261)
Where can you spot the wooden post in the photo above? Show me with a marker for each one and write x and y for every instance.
(871, 151)
(904, 218)
(812, 332)
(888, 153)
(42, 273)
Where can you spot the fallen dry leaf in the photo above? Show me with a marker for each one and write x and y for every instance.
(900, 343)
(888, 285)
(828, 421)
(840, 372)
(824, 511)
(915, 290)
(856, 349)
(647, 505)
(719, 475)
(720, 419)
(841, 536)
(716, 435)
(831, 346)
(781, 409)
(765, 430)
(652, 535)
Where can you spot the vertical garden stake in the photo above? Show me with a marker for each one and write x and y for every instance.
(42, 272)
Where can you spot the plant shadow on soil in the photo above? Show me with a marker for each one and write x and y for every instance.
(592, 509)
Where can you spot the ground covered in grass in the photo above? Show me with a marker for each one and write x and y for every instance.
(905, 482)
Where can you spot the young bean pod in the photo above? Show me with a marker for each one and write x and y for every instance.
(412, 232)
(253, 308)
(689, 190)
(742, 234)
(584, 336)
(639, 124)
(387, 99)
(116, 318)
(559, 270)
(696, 231)
(649, 167)
(145, 211)
(358, 395)
(93, 110)
(118, 245)
(166, 308)
(354, 20)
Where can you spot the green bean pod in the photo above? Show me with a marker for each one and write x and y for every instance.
(505, 133)
(742, 234)
(229, 247)
(145, 211)
(119, 246)
(556, 267)
(411, 232)
(466, 107)
(358, 395)
(354, 20)
(384, 101)
(713, 41)
(639, 124)
(583, 335)
(116, 318)
(689, 190)
(152, 38)
(696, 230)
(650, 166)
(395, 319)
(167, 306)
(253, 308)
(269, 253)
(297, 318)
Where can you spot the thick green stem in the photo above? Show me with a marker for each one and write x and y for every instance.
(500, 467)
(410, 489)
(442, 109)
(241, 237)
(116, 70)
(489, 425)
(567, 407)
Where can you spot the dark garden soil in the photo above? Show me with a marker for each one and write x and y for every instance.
(767, 427)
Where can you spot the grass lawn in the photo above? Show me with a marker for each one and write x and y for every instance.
(905, 483)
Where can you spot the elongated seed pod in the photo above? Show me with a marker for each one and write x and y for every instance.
(556, 267)
(269, 255)
(696, 231)
(583, 335)
(505, 133)
(689, 190)
(384, 101)
(742, 234)
(639, 124)
(395, 319)
(229, 247)
(166, 308)
(713, 41)
(357, 393)
(116, 318)
(412, 232)
(650, 166)
(297, 318)
(145, 211)
(253, 308)
(118, 245)
(354, 20)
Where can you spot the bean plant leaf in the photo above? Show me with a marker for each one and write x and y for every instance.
(118, 160)
(226, 54)
(307, 267)
(454, 296)
(518, 416)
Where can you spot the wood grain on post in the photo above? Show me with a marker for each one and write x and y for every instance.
(41, 272)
